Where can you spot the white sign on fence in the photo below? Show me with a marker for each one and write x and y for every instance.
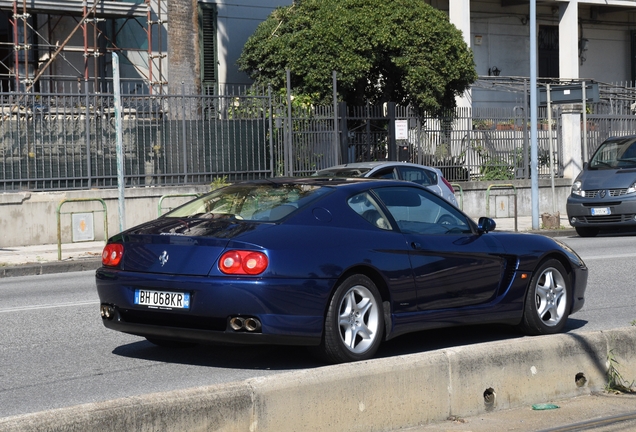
(401, 129)
(82, 225)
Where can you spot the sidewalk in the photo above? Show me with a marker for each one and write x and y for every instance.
(598, 411)
(43, 259)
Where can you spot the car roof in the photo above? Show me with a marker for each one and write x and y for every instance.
(356, 183)
(376, 164)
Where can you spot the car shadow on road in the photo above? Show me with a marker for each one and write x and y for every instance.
(224, 356)
(574, 324)
(293, 358)
(431, 340)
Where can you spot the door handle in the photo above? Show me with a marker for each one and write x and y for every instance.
(416, 246)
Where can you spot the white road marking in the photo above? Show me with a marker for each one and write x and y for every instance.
(599, 257)
(54, 306)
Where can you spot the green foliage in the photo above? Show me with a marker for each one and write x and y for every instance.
(497, 168)
(402, 51)
(615, 381)
(219, 182)
(503, 167)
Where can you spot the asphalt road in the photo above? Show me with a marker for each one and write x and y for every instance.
(55, 351)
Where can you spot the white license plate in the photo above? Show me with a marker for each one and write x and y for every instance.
(601, 211)
(162, 299)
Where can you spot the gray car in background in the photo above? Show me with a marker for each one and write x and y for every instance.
(604, 193)
(430, 177)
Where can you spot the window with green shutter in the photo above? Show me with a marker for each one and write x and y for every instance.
(207, 38)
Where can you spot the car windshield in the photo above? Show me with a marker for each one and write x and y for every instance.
(614, 154)
(251, 202)
(342, 172)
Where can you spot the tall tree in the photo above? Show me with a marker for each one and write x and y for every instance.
(403, 51)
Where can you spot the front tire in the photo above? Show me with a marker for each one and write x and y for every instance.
(548, 300)
(354, 325)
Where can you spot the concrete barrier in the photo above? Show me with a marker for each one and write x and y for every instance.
(376, 395)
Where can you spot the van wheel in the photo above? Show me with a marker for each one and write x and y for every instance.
(587, 232)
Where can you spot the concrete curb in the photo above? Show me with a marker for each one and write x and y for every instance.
(50, 267)
(376, 395)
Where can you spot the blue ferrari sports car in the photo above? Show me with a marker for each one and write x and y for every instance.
(340, 265)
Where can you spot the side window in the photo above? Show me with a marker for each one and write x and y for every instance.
(366, 206)
(418, 175)
(418, 212)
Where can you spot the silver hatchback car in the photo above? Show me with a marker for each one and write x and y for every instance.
(430, 177)
(604, 194)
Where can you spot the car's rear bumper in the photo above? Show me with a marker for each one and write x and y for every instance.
(622, 212)
(289, 311)
(185, 334)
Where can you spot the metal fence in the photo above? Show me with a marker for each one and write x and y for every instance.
(483, 144)
(60, 141)
(470, 144)
(613, 116)
(57, 141)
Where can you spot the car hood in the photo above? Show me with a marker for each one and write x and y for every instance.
(607, 179)
(179, 246)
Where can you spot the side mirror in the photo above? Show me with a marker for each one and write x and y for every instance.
(486, 225)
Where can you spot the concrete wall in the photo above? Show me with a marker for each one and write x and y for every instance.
(376, 395)
(500, 203)
(30, 218)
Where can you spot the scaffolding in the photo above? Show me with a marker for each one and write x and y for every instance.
(30, 44)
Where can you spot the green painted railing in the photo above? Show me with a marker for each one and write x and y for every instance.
(461, 194)
(58, 212)
(160, 208)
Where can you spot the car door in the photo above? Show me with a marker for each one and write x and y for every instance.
(452, 265)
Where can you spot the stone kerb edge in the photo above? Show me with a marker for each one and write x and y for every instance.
(381, 394)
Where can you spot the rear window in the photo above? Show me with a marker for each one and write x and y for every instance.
(342, 172)
(251, 202)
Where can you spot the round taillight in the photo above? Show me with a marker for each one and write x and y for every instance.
(112, 253)
(242, 262)
(230, 262)
(448, 185)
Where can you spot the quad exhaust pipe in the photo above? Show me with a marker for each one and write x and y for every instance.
(106, 311)
(249, 324)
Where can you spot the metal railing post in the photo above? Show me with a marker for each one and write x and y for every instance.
(461, 194)
(59, 223)
(192, 194)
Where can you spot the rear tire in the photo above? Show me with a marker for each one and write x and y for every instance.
(587, 232)
(548, 300)
(354, 325)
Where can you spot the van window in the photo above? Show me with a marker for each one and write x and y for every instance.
(614, 154)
